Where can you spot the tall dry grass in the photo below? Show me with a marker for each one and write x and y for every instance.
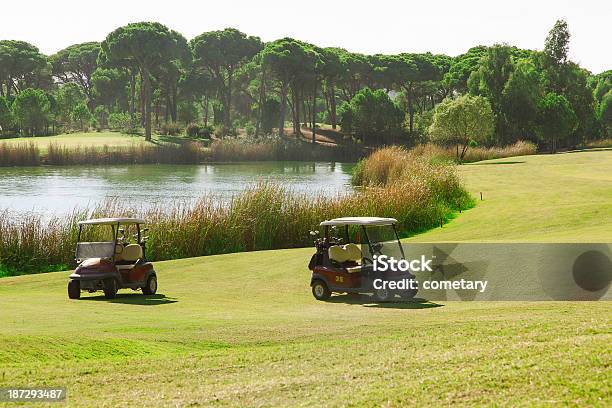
(474, 154)
(20, 154)
(264, 216)
(266, 149)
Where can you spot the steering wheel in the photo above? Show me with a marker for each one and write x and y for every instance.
(377, 248)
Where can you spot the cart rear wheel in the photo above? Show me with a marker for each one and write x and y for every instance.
(151, 287)
(383, 295)
(74, 289)
(110, 288)
(320, 290)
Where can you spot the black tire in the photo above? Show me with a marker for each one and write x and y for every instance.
(74, 289)
(110, 288)
(151, 287)
(408, 294)
(383, 295)
(320, 290)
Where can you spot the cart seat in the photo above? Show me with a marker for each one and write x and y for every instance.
(337, 253)
(131, 253)
(353, 251)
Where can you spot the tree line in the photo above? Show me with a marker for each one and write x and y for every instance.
(147, 76)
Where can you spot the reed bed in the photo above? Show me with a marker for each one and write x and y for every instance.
(167, 153)
(20, 154)
(269, 149)
(264, 216)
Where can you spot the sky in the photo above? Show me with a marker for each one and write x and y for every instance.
(375, 26)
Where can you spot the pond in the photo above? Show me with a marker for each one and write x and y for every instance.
(55, 190)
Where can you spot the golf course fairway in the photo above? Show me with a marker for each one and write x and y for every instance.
(244, 330)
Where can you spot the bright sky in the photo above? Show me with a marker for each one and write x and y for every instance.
(374, 26)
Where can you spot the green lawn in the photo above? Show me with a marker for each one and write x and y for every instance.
(545, 198)
(111, 139)
(244, 330)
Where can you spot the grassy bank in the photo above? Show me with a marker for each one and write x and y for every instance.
(265, 216)
(547, 198)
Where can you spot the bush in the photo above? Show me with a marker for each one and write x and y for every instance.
(373, 117)
(250, 129)
(122, 122)
(171, 129)
(193, 130)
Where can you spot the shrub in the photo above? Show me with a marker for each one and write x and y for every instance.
(171, 129)
(193, 130)
(250, 129)
(372, 116)
(122, 122)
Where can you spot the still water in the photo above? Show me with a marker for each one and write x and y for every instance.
(55, 190)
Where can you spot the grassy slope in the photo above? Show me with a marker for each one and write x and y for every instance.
(545, 198)
(243, 329)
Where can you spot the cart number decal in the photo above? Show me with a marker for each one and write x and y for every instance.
(339, 279)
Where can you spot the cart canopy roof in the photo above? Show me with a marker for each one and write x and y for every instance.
(360, 221)
(109, 221)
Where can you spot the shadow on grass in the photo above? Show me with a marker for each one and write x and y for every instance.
(490, 164)
(135, 299)
(397, 303)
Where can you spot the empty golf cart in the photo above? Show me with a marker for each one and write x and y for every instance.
(110, 255)
(343, 262)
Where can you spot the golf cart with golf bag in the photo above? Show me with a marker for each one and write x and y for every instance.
(343, 262)
(110, 255)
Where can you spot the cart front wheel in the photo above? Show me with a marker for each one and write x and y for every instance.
(74, 289)
(151, 287)
(110, 288)
(382, 295)
(320, 290)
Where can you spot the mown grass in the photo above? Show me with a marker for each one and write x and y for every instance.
(547, 198)
(264, 216)
(243, 329)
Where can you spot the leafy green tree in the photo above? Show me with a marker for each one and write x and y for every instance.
(77, 64)
(555, 53)
(222, 53)
(31, 109)
(462, 121)
(462, 67)
(289, 60)
(68, 97)
(6, 115)
(147, 46)
(21, 66)
(101, 115)
(605, 113)
(412, 73)
(332, 71)
(557, 119)
(82, 116)
(519, 101)
(110, 87)
(373, 117)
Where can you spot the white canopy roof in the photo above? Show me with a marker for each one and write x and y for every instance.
(360, 221)
(108, 221)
